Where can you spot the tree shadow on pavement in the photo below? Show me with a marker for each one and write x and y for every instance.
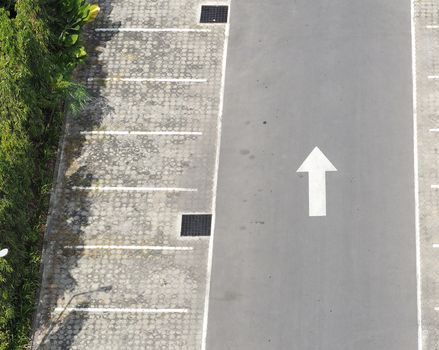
(70, 211)
(63, 330)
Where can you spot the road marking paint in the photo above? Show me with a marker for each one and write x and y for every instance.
(120, 310)
(132, 189)
(434, 186)
(142, 133)
(416, 176)
(125, 247)
(433, 77)
(215, 185)
(432, 26)
(153, 80)
(316, 165)
(434, 130)
(154, 30)
(436, 245)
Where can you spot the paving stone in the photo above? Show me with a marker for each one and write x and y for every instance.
(163, 332)
(427, 59)
(164, 55)
(74, 274)
(123, 218)
(138, 279)
(151, 14)
(157, 161)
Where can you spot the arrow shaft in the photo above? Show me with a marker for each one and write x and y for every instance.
(317, 193)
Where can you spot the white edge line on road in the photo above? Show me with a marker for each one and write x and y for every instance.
(125, 247)
(416, 176)
(120, 310)
(154, 80)
(215, 184)
(132, 189)
(142, 133)
(154, 30)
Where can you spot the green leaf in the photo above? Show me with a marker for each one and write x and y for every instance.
(81, 53)
(71, 39)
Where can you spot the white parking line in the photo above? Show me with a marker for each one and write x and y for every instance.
(435, 245)
(416, 178)
(434, 130)
(121, 310)
(153, 80)
(132, 189)
(142, 133)
(432, 27)
(434, 186)
(433, 77)
(125, 247)
(215, 186)
(154, 30)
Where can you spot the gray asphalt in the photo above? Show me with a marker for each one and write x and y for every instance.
(337, 75)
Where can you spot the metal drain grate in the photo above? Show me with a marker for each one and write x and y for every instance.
(214, 14)
(196, 224)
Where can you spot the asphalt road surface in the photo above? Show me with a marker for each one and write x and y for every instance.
(337, 75)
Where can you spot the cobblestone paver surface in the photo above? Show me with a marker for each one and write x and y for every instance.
(116, 274)
(426, 20)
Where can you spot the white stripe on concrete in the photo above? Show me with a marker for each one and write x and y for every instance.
(434, 130)
(154, 30)
(142, 133)
(416, 177)
(434, 186)
(435, 245)
(433, 77)
(125, 247)
(120, 310)
(432, 27)
(132, 189)
(153, 80)
(215, 186)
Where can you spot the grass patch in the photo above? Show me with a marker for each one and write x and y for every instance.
(39, 48)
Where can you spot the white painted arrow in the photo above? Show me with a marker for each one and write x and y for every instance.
(316, 165)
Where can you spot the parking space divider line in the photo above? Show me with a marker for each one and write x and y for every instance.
(119, 310)
(142, 133)
(132, 189)
(154, 30)
(125, 247)
(152, 80)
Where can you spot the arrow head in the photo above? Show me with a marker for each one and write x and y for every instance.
(316, 162)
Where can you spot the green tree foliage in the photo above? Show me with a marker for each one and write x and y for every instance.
(39, 48)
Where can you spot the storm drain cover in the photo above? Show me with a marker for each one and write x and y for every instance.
(214, 14)
(196, 224)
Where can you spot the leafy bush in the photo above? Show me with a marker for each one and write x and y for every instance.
(39, 48)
